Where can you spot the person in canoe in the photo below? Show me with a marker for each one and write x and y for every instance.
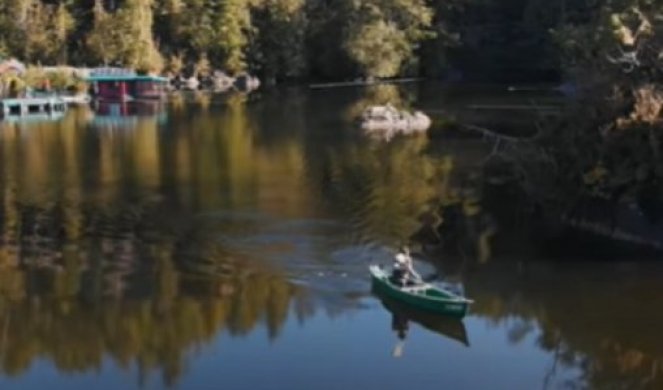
(403, 272)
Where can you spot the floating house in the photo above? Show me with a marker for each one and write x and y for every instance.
(115, 84)
(32, 108)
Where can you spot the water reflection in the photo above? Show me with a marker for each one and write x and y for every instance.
(402, 315)
(98, 259)
(75, 315)
(590, 316)
(145, 241)
(126, 115)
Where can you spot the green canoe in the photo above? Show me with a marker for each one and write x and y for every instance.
(422, 296)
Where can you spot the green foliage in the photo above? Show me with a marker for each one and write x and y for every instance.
(382, 35)
(35, 31)
(379, 48)
(186, 27)
(125, 37)
(175, 64)
(202, 66)
(609, 144)
(621, 42)
(234, 24)
(58, 79)
(279, 48)
(340, 39)
(278, 39)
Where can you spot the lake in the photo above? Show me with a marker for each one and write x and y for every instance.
(223, 242)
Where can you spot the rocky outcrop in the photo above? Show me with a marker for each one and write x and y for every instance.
(191, 83)
(391, 121)
(221, 82)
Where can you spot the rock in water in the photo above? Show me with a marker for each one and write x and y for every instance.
(391, 121)
(222, 82)
(191, 83)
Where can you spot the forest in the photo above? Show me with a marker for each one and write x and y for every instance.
(290, 40)
(97, 263)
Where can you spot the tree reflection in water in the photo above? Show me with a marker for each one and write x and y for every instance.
(490, 220)
(591, 317)
(112, 245)
(97, 262)
(131, 301)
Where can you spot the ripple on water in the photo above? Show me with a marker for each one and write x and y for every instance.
(317, 253)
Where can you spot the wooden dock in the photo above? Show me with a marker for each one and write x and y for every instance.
(28, 106)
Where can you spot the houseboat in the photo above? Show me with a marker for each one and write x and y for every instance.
(32, 108)
(112, 84)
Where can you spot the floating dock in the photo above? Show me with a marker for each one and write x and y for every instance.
(28, 106)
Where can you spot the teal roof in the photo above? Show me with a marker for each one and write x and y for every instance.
(126, 78)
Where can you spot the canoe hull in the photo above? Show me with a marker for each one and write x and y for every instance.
(456, 307)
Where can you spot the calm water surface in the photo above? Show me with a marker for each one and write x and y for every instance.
(223, 243)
